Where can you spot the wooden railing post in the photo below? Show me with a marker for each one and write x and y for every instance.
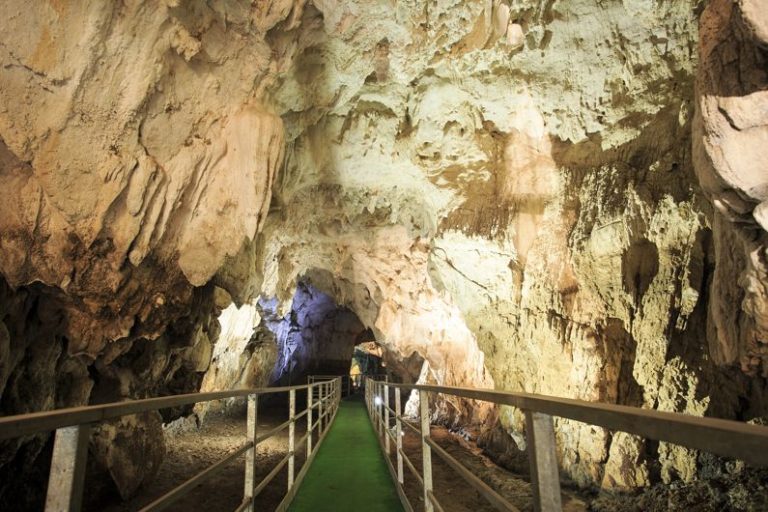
(326, 406)
(309, 419)
(291, 436)
(320, 407)
(379, 401)
(426, 451)
(250, 456)
(542, 457)
(399, 435)
(386, 419)
(367, 384)
(67, 476)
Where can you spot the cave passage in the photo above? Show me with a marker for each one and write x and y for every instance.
(367, 361)
(316, 337)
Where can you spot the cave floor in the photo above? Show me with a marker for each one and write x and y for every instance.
(349, 472)
(191, 450)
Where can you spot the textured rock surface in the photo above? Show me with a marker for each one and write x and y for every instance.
(136, 160)
(316, 337)
(523, 195)
(133, 166)
(508, 190)
(730, 137)
(243, 356)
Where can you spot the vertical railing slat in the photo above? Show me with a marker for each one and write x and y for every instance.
(291, 436)
(542, 457)
(67, 476)
(385, 406)
(250, 455)
(310, 390)
(320, 407)
(426, 451)
(399, 434)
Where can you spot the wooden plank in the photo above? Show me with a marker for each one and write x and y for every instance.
(412, 468)
(244, 506)
(409, 425)
(67, 474)
(300, 415)
(721, 437)
(321, 402)
(270, 433)
(310, 426)
(272, 474)
(426, 452)
(542, 457)
(386, 420)
(494, 498)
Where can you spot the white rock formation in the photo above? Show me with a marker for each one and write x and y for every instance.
(505, 189)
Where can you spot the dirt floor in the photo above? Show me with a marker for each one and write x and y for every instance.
(191, 450)
(452, 491)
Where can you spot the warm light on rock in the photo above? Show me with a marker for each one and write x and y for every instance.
(564, 198)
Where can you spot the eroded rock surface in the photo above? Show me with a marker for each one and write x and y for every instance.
(508, 190)
(730, 137)
(137, 158)
(316, 337)
(521, 195)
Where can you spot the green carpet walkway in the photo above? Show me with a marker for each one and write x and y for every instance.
(349, 473)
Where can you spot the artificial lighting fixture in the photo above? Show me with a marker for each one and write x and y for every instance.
(377, 400)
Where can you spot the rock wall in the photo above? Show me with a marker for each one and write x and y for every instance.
(508, 190)
(316, 337)
(730, 133)
(137, 156)
(243, 355)
(556, 197)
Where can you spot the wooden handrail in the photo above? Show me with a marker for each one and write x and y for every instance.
(722, 437)
(72, 427)
(726, 438)
(32, 423)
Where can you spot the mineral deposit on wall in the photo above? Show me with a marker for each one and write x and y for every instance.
(560, 197)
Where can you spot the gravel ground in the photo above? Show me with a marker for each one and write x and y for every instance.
(450, 488)
(191, 450)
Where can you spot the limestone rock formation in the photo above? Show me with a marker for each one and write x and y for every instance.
(316, 337)
(555, 197)
(508, 190)
(242, 358)
(730, 137)
(137, 155)
(137, 158)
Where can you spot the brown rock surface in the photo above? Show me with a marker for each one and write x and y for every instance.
(523, 195)
(730, 137)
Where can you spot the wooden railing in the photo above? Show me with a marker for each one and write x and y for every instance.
(73, 426)
(346, 382)
(722, 437)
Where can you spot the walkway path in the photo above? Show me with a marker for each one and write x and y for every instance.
(349, 473)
